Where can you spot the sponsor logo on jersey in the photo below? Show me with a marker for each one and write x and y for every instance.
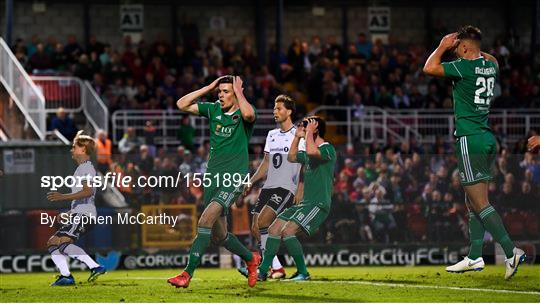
(280, 149)
(223, 131)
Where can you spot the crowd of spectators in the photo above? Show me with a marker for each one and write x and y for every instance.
(152, 75)
(378, 190)
(382, 194)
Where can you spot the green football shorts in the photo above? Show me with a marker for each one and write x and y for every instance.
(308, 217)
(476, 157)
(225, 196)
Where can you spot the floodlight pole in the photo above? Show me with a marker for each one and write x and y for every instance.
(279, 33)
(9, 21)
(260, 31)
(279, 25)
(534, 32)
(345, 28)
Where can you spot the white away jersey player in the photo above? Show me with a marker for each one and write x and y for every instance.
(281, 172)
(84, 171)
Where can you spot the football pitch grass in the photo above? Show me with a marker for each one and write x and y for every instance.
(328, 284)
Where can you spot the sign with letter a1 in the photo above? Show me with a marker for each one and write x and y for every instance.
(131, 18)
(379, 19)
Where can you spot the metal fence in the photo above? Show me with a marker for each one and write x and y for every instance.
(372, 124)
(75, 96)
(59, 92)
(22, 90)
(168, 122)
(368, 124)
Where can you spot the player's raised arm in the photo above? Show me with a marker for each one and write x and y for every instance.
(490, 57)
(248, 113)
(312, 150)
(188, 102)
(433, 66)
(291, 156)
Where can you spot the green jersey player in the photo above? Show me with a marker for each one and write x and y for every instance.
(473, 76)
(231, 121)
(319, 160)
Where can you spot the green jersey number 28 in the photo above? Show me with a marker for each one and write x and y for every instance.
(485, 84)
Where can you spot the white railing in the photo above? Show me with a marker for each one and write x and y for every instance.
(168, 122)
(369, 124)
(58, 135)
(22, 90)
(95, 110)
(376, 124)
(74, 95)
(3, 136)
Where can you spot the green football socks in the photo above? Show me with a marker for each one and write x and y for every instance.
(272, 247)
(199, 246)
(232, 244)
(493, 223)
(476, 236)
(295, 250)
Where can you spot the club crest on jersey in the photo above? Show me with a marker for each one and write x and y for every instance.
(235, 117)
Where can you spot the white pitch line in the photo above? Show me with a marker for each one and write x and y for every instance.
(426, 286)
(371, 284)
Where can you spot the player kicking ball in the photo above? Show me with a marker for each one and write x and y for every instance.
(319, 160)
(473, 76)
(230, 120)
(278, 191)
(61, 244)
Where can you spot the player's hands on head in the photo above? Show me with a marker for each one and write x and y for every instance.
(312, 125)
(300, 130)
(449, 41)
(214, 83)
(237, 84)
(54, 196)
(533, 143)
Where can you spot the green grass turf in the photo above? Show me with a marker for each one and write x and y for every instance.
(345, 284)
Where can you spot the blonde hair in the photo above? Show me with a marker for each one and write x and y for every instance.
(86, 141)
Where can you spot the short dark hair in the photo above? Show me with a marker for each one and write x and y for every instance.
(470, 32)
(288, 102)
(321, 124)
(226, 79)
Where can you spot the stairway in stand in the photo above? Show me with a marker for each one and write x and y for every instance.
(12, 121)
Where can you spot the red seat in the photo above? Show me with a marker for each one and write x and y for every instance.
(417, 225)
(515, 224)
(532, 224)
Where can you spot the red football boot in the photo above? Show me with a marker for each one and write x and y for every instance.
(278, 273)
(181, 280)
(252, 269)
